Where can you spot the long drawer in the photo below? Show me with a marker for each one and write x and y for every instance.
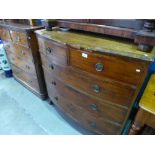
(54, 51)
(104, 89)
(105, 117)
(19, 38)
(121, 69)
(86, 120)
(21, 63)
(27, 79)
(19, 51)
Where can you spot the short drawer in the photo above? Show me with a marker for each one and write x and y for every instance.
(5, 35)
(20, 38)
(105, 89)
(26, 78)
(55, 52)
(22, 63)
(95, 107)
(121, 69)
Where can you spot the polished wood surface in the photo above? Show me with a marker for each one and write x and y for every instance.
(79, 106)
(95, 89)
(99, 43)
(100, 108)
(125, 70)
(22, 50)
(56, 52)
(19, 27)
(21, 63)
(29, 79)
(5, 34)
(146, 112)
(122, 94)
(19, 38)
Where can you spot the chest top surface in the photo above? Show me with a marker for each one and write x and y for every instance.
(20, 27)
(93, 42)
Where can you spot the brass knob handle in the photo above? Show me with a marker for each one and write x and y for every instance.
(49, 50)
(96, 88)
(94, 107)
(99, 67)
(28, 67)
(51, 66)
(56, 98)
(53, 83)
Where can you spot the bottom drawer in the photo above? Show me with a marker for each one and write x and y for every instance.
(101, 118)
(26, 78)
(84, 119)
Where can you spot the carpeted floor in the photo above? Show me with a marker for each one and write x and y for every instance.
(21, 112)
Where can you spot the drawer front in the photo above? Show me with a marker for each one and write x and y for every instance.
(23, 52)
(5, 34)
(84, 119)
(125, 70)
(104, 89)
(100, 113)
(19, 38)
(55, 52)
(19, 51)
(22, 63)
(26, 78)
(8, 46)
(100, 109)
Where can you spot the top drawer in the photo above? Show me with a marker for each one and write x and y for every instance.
(125, 70)
(5, 34)
(19, 38)
(55, 52)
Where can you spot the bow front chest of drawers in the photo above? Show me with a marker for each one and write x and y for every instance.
(93, 79)
(22, 50)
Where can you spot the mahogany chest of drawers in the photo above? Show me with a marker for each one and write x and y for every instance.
(22, 50)
(92, 79)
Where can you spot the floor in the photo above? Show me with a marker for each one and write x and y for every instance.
(21, 112)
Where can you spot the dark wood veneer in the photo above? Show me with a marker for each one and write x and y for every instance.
(99, 99)
(22, 50)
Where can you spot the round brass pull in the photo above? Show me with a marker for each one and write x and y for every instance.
(28, 67)
(99, 67)
(51, 66)
(94, 107)
(96, 88)
(56, 98)
(48, 50)
(54, 83)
